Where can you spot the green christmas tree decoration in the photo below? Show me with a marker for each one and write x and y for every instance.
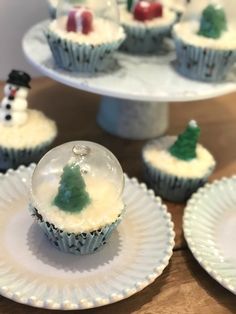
(129, 5)
(72, 195)
(213, 22)
(184, 147)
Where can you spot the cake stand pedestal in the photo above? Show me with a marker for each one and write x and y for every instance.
(133, 119)
(135, 93)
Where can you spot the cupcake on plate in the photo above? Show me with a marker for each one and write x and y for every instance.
(175, 167)
(52, 6)
(25, 134)
(146, 24)
(85, 35)
(76, 196)
(205, 40)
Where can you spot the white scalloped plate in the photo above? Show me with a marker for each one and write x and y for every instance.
(210, 230)
(35, 273)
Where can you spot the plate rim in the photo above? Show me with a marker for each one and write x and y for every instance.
(67, 305)
(206, 265)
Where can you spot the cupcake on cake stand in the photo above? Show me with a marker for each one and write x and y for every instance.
(136, 91)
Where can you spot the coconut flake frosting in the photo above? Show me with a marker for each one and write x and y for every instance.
(104, 32)
(103, 209)
(187, 31)
(36, 131)
(156, 153)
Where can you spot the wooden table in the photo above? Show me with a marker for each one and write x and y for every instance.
(184, 287)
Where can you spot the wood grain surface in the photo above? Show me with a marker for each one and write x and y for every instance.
(184, 287)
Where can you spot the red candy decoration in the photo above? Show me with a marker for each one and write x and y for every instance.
(145, 10)
(71, 21)
(157, 9)
(80, 20)
(87, 22)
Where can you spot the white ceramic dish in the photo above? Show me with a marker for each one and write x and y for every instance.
(210, 230)
(35, 273)
(136, 78)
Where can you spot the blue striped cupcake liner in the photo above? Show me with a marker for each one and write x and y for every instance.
(170, 187)
(144, 40)
(82, 58)
(78, 244)
(203, 64)
(13, 158)
(166, 185)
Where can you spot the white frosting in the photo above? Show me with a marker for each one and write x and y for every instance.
(17, 110)
(166, 20)
(18, 118)
(37, 130)
(187, 31)
(103, 209)
(104, 32)
(156, 153)
(18, 104)
(22, 92)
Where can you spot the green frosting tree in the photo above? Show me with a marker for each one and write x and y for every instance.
(72, 195)
(129, 5)
(185, 146)
(213, 22)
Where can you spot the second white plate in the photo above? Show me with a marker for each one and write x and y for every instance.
(210, 230)
(35, 273)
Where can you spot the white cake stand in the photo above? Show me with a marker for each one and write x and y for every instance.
(135, 93)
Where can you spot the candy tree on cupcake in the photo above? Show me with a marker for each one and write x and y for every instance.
(205, 40)
(85, 35)
(76, 196)
(26, 134)
(175, 167)
(147, 23)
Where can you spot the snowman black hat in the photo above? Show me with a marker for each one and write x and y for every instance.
(19, 78)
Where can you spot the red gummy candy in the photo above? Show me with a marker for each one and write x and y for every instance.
(87, 22)
(142, 11)
(71, 21)
(157, 9)
(145, 10)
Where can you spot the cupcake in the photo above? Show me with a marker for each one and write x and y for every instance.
(146, 24)
(85, 35)
(26, 134)
(205, 41)
(52, 6)
(176, 167)
(76, 196)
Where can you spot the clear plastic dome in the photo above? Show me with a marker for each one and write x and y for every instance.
(72, 15)
(97, 165)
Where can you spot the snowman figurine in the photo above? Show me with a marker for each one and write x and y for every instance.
(13, 109)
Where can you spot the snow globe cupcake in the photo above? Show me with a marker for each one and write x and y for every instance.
(76, 196)
(85, 35)
(205, 40)
(26, 134)
(146, 23)
(176, 167)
